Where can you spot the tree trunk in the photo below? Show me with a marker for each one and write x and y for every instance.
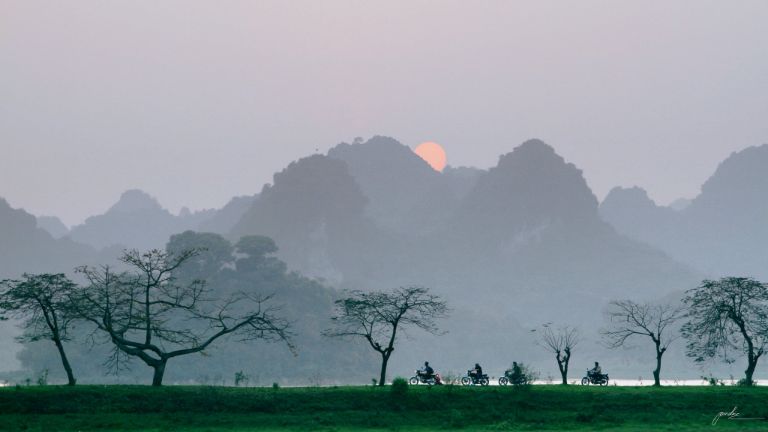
(657, 371)
(562, 365)
(65, 362)
(383, 374)
(751, 365)
(157, 378)
(564, 372)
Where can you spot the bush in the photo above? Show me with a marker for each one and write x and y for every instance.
(42, 379)
(399, 387)
(451, 378)
(275, 386)
(241, 378)
(528, 372)
(711, 380)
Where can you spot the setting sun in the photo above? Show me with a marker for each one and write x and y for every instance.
(433, 153)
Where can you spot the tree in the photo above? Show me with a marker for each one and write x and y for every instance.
(43, 303)
(730, 314)
(377, 316)
(215, 253)
(147, 314)
(561, 342)
(629, 319)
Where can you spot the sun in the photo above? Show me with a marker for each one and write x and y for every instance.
(432, 153)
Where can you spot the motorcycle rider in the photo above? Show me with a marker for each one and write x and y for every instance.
(517, 372)
(476, 373)
(596, 371)
(427, 371)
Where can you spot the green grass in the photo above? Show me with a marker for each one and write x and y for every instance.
(137, 408)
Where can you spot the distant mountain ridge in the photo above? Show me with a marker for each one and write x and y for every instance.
(136, 220)
(510, 247)
(723, 231)
(526, 225)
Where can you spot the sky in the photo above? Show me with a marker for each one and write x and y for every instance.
(196, 102)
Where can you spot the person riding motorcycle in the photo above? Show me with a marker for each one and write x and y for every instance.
(596, 371)
(477, 372)
(427, 371)
(517, 372)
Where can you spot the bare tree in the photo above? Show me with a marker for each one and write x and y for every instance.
(561, 342)
(146, 314)
(42, 302)
(377, 316)
(727, 315)
(629, 319)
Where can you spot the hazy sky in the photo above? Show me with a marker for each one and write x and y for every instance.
(196, 102)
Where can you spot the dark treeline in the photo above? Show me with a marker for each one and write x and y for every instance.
(249, 268)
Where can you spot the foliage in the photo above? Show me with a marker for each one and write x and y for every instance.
(377, 316)
(399, 387)
(561, 342)
(229, 270)
(725, 318)
(712, 380)
(529, 372)
(629, 319)
(42, 379)
(44, 304)
(241, 378)
(146, 313)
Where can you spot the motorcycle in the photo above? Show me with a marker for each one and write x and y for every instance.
(597, 379)
(508, 378)
(421, 378)
(472, 379)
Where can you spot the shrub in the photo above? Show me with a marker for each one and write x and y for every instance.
(451, 378)
(241, 378)
(399, 387)
(711, 380)
(530, 373)
(275, 386)
(42, 379)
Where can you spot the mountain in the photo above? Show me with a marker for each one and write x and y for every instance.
(223, 220)
(510, 247)
(721, 232)
(137, 220)
(404, 193)
(680, 204)
(521, 243)
(390, 175)
(635, 215)
(314, 210)
(53, 225)
(530, 231)
(25, 248)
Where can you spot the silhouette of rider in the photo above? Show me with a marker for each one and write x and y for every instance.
(428, 372)
(596, 371)
(517, 372)
(477, 372)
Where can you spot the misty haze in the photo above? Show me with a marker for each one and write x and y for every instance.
(322, 194)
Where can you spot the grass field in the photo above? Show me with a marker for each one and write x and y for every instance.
(137, 408)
